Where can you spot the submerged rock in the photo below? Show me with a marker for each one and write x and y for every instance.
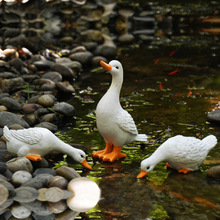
(214, 172)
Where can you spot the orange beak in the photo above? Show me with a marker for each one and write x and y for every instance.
(86, 165)
(106, 66)
(142, 174)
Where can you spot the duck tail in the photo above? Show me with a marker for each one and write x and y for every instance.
(6, 132)
(141, 137)
(210, 141)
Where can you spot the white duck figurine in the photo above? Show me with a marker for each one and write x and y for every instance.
(182, 153)
(116, 125)
(36, 142)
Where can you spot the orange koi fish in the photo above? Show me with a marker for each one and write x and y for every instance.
(161, 87)
(157, 61)
(172, 53)
(173, 72)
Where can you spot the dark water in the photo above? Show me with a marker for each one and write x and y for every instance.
(162, 106)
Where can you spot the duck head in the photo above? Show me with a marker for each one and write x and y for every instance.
(146, 166)
(80, 157)
(114, 67)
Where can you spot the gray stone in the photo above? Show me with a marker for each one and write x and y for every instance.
(8, 85)
(57, 207)
(53, 76)
(82, 57)
(43, 171)
(20, 177)
(54, 194)
(67, 215)
(39, 181)
(10, 104)
(43, 64)
(51, 117)
(3, 168)
(47, 217)
(39, 208)
(64, 108)
(67, 172)
(73, 65)
(7, 75)
(17, 63)
(3, 194)
(31, 119)
(25, 194)
(20, 212)
(214, 116)
(96, 60)
(8, 118)
(65, 71)
(20, 163)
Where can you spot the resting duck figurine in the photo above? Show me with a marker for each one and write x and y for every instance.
(36, 142)
(116, 125)
(182, 153)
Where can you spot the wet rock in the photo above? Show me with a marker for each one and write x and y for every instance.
(65, 87)
(82, 57)
(25, 194)
(44, 171)
(5, 205)
(20, 212)
(7, 75)
(64, 108)
(43, 64)
(11, 104)
(126, 38)
(53, 76)
(20, 163)
(47, 217)
(31, 119)
(8, 186)
(58, 181)
(67, 172)
(3, 194)
(65, 71)
(78, 49)
(57, 207)
(214, 116)
(41, 194)
(8, 85)
(39, 181)
(96, 60)
(8, 118)
(20, 177)
(46, 100)
(214, 172)
(3, 108)
(47, 125)
(30, 108)
(73, 65)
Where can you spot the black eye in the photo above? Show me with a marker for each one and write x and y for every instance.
(117, 67)
(82, 156)
(148, 168)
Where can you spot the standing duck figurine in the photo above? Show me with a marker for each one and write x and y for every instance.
(116, 125)
(36, 142)
(184, 154)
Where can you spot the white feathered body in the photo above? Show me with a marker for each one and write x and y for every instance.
(184, 152)
(115, 124)
(38, 141)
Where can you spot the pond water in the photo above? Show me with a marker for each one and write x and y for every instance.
(171, 82)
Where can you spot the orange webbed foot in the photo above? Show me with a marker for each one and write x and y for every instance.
(184, 170)
(34, 157)
(100, 154)
(114, 155)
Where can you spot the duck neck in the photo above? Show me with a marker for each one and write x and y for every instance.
(157, 156)
(116, 85)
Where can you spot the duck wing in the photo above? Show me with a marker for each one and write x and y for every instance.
(126, 122)
(28, 136)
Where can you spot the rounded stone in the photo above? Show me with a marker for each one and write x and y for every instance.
(21, 177)
(214, 116)
(214, 172)
(54, 76)
(64, 108)
(54, 194)
(67, 172)
(46, 100)
(65, 87)
(30, 108)
(25, 194)
(65, 71)
(20, 163)
(57, 207)
(3, 194)
(8, 118)
(10, 104)
(47, 125)
(20, 212)
(44, 171)
(82, 57)
(41, 194)
(58, 181)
